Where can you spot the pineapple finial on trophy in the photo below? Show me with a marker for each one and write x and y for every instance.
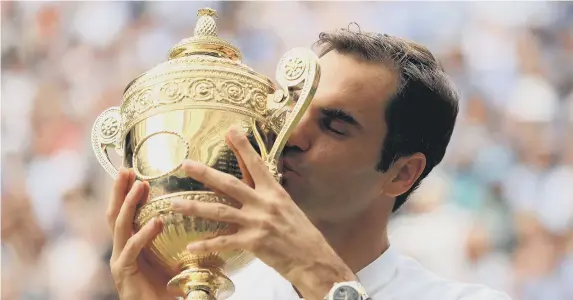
(205, 40)
(206, 25)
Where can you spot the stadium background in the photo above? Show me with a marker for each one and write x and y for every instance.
(498, 210)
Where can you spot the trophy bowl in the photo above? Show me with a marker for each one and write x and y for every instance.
(182, 109)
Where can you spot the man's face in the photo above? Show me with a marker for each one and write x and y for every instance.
(330, 159)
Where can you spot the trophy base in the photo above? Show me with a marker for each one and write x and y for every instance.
(202, 284)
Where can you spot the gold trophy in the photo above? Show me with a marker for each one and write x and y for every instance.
(182, 109)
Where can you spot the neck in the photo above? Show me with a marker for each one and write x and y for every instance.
(359, 240)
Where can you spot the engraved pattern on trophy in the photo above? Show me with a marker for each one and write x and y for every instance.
(170, 92)
(109, 128)
(202, 89)
(233, 91)
(294, 68)
(183, 109)
(232, 64)
(106, 132)
(195, 89)
(279, 117)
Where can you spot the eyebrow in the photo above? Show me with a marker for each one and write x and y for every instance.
(341, 115)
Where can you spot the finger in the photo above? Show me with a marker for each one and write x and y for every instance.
(217, 191)
(247, 178)
(138, 241)
(118, 194)
(223, 195)
(220, 181)
(131, 181)
(211, 211)
(220, 243)
(253, 162)
(124, 224)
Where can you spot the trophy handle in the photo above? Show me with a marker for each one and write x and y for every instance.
(298, 69)
(106, 133)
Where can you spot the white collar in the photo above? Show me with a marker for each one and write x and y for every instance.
(380, 272)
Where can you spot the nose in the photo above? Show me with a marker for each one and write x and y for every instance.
(301, 135)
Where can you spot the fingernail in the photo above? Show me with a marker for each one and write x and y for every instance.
(176, 204)
(122, 174)
(237, 133)
(137, 185)
(192, 247)
(154, 222)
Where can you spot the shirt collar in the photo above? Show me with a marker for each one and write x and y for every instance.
(379, 272)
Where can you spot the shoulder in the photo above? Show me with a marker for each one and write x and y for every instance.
(413, 281)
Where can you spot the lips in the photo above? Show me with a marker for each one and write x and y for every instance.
(286, 166)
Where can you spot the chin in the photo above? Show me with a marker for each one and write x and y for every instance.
(295, 193)
(288, 186)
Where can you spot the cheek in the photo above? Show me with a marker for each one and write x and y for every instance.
(326, 156)
(342, 160)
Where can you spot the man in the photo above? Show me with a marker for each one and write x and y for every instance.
(381, 120)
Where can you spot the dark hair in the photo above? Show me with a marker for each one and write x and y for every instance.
(421, 115)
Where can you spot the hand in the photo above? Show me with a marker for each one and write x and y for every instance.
(133, 276)
(271, 225)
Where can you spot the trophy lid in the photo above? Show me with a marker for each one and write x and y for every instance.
(205, 40)
(201, 71)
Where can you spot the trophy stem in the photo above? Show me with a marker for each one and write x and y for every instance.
(199, 295)
(202, 284)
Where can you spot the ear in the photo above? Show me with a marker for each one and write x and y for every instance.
(403, 174)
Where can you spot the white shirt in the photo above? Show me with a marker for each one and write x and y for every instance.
(392, 276)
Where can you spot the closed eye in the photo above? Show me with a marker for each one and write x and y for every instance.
(327, 123)
(337, 120)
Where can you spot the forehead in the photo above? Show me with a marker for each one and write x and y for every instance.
(358, 87)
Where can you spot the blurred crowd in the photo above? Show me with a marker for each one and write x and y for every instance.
(497, 211)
